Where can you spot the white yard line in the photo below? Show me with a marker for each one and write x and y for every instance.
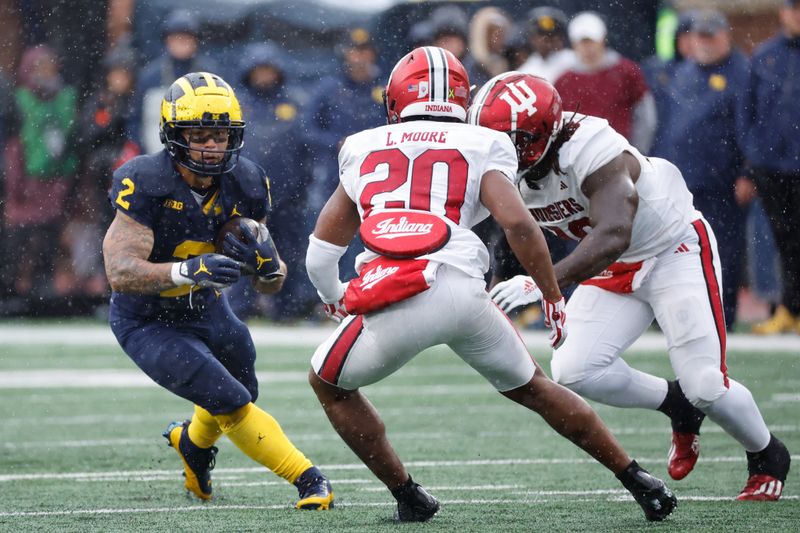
(398, 435)
(109, 378)
(143, 474)
(134, 379)
(100, 335)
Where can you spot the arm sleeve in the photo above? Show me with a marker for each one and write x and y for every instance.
(322, 264)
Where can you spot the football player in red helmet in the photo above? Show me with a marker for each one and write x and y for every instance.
(644, 253)
(414, 189)
(530, 111)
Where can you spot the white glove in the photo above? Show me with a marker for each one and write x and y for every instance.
(555, 318)
(335, 310)
(517, 291)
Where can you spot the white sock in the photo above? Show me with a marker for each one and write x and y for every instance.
(622, 386)
(737, 413)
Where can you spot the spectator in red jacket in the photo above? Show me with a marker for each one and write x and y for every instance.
(605, 84)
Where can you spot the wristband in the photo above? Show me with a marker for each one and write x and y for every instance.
(177, 278)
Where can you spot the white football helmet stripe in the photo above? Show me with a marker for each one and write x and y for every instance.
(437, 73)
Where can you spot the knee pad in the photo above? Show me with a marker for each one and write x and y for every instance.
(684, 321)
(703, 386)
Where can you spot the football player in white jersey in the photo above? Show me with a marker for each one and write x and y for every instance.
(644, 253)
(413, 189)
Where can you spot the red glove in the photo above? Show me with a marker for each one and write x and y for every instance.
(555, 318)
(336, 312)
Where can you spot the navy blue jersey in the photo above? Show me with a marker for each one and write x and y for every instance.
(150, 190)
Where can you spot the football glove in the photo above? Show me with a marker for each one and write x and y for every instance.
(555, 318)
(517, 291)
(260, 258)
(336, 310)
(207, 270)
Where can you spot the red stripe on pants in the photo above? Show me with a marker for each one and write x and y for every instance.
(334, 361)
(714, 294)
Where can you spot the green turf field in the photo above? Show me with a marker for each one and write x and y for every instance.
(82, 451)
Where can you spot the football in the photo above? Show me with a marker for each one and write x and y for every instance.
(232, 226)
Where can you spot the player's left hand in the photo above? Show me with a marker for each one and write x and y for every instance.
(261, 256)
(517, 291)
(555, 319)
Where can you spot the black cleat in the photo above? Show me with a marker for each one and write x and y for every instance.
(314, 489)
(197, 462)
(414, 504)
(652, 495)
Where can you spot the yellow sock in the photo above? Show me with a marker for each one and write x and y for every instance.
(204, 429)
(261, 438)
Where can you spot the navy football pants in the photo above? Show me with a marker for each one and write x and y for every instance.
(207, 358)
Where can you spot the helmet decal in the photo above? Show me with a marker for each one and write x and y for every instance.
(437, 73)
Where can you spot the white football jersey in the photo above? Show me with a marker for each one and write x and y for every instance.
(665, 204)
(428, 166)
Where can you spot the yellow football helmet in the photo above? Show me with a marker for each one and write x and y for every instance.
(201, 100)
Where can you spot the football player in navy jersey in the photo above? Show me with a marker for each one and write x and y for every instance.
(167, 310)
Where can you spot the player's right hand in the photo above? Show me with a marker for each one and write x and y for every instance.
(517, 291)
(259, 253)
(209, 270)
(555, 318)
(336, 311)
(334, 304)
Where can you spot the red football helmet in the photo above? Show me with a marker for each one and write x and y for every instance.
(428, 81)
(526, 107)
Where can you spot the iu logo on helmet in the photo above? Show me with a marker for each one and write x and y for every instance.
(519, 97)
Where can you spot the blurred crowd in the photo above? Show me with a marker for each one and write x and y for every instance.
(728, 121)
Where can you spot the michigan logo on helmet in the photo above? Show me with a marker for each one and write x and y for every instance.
(526, 107)
(202, 101)
(428, 81)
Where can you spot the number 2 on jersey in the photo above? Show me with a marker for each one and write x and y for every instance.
(420, 172)
(127, 191)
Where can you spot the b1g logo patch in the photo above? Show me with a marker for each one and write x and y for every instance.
(403, 234)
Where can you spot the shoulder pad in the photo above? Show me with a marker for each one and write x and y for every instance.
(251, 178)
(154, 174)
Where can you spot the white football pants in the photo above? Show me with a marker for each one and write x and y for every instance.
(683, 293)
(455, 311)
